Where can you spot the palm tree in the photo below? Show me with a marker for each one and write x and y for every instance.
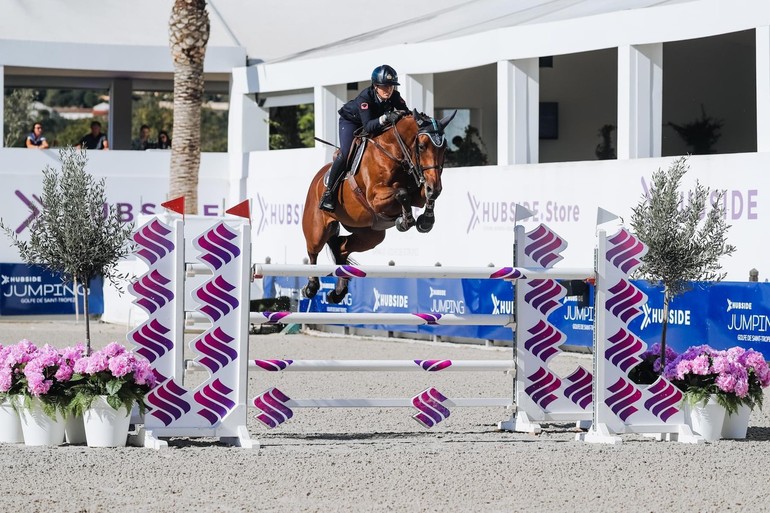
(188, 36)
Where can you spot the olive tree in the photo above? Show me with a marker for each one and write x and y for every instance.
(686, 233)
(77, 234)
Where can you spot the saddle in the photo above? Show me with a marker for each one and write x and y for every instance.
(354, 158)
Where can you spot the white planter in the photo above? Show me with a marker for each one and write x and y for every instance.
(39, 428)
(10, 425)
(706, 420)
(105, 426)
(74, 430)
(736, 425)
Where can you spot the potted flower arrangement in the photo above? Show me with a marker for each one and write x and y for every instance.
(729, 380)
(106, 385)
(43, 389)
(649, 369)
(13, 358)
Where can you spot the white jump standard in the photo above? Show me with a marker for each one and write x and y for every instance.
(218, 407)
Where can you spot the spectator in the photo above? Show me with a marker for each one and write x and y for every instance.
(36, 139)
(143, 141)
(164, 141)
(95, 140)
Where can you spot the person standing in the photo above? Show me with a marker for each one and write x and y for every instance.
(36, 139)
(375, 107)
(95, 140)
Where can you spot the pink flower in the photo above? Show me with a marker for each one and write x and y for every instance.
(701, 365)
(121, 365)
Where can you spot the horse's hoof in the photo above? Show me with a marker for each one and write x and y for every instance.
(425, 224)
(333, 297)
(402, 225)
(309, 291)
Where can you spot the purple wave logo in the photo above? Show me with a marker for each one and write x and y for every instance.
(544, 295)
(434, 365)
(623, 396)
(543, 385)
(216, 299)
(218, 250)
(429, 318)
(151, 291)
(626, 251)
(168, 403)
(274, 317)
(624, 350)
(506, 273)
(214, 347)
(349, 271)
(272, 404)
(624, 301)
(152, 241)
(432, 407)
(545, 247)
(214, 401)
(664, 400)
(151, 337)
(273, 365)
(33, 210)
(544, 340)
(580, 391)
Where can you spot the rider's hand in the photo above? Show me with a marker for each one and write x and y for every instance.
(390, 117)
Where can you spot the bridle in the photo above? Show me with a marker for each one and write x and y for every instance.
(411, 160)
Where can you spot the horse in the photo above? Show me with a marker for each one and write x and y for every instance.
(399, 169)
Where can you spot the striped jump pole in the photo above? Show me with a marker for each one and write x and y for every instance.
(285, 365)
(388, 271)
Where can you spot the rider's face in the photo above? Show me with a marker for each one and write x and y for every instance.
(384, 91)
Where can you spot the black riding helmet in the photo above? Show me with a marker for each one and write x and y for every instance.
(384, 75)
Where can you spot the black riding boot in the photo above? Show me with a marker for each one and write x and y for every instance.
(329, 198)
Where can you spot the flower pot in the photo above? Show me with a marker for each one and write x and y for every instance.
(10, 425)
(736, 425)
(706, 420)
(74, 430)
(39, 428)
(105, 426)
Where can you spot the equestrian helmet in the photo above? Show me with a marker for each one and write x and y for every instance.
(384, 75)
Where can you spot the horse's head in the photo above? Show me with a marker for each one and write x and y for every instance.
(430, 147)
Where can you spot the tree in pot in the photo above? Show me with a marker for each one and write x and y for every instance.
(76, 234)
(685, 238)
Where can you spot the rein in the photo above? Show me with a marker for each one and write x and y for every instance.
(414, 169)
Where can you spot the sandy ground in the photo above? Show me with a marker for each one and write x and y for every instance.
(381, 460)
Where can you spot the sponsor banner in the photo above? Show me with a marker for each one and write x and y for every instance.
(737, 314)
(32, 290)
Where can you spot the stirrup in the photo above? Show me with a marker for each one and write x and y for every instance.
(327, 203)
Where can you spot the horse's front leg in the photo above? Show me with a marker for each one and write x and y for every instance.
(405, 220)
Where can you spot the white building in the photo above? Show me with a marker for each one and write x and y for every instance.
(635, 64)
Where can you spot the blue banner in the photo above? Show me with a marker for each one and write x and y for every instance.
(33, 290)
(723, 315)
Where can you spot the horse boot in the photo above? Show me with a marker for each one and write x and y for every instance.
(329, 199)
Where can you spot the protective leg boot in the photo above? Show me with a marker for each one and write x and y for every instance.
(329, 198)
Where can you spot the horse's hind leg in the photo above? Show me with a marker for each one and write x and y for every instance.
(318, 229)
(336, 243)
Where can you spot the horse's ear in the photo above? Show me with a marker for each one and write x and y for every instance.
(446, 120)
(417, 117)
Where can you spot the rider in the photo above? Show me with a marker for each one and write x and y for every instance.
(373, 108)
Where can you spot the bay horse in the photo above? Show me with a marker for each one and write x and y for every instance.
(399, 169)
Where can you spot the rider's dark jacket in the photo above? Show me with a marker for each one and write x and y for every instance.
(365, 109)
